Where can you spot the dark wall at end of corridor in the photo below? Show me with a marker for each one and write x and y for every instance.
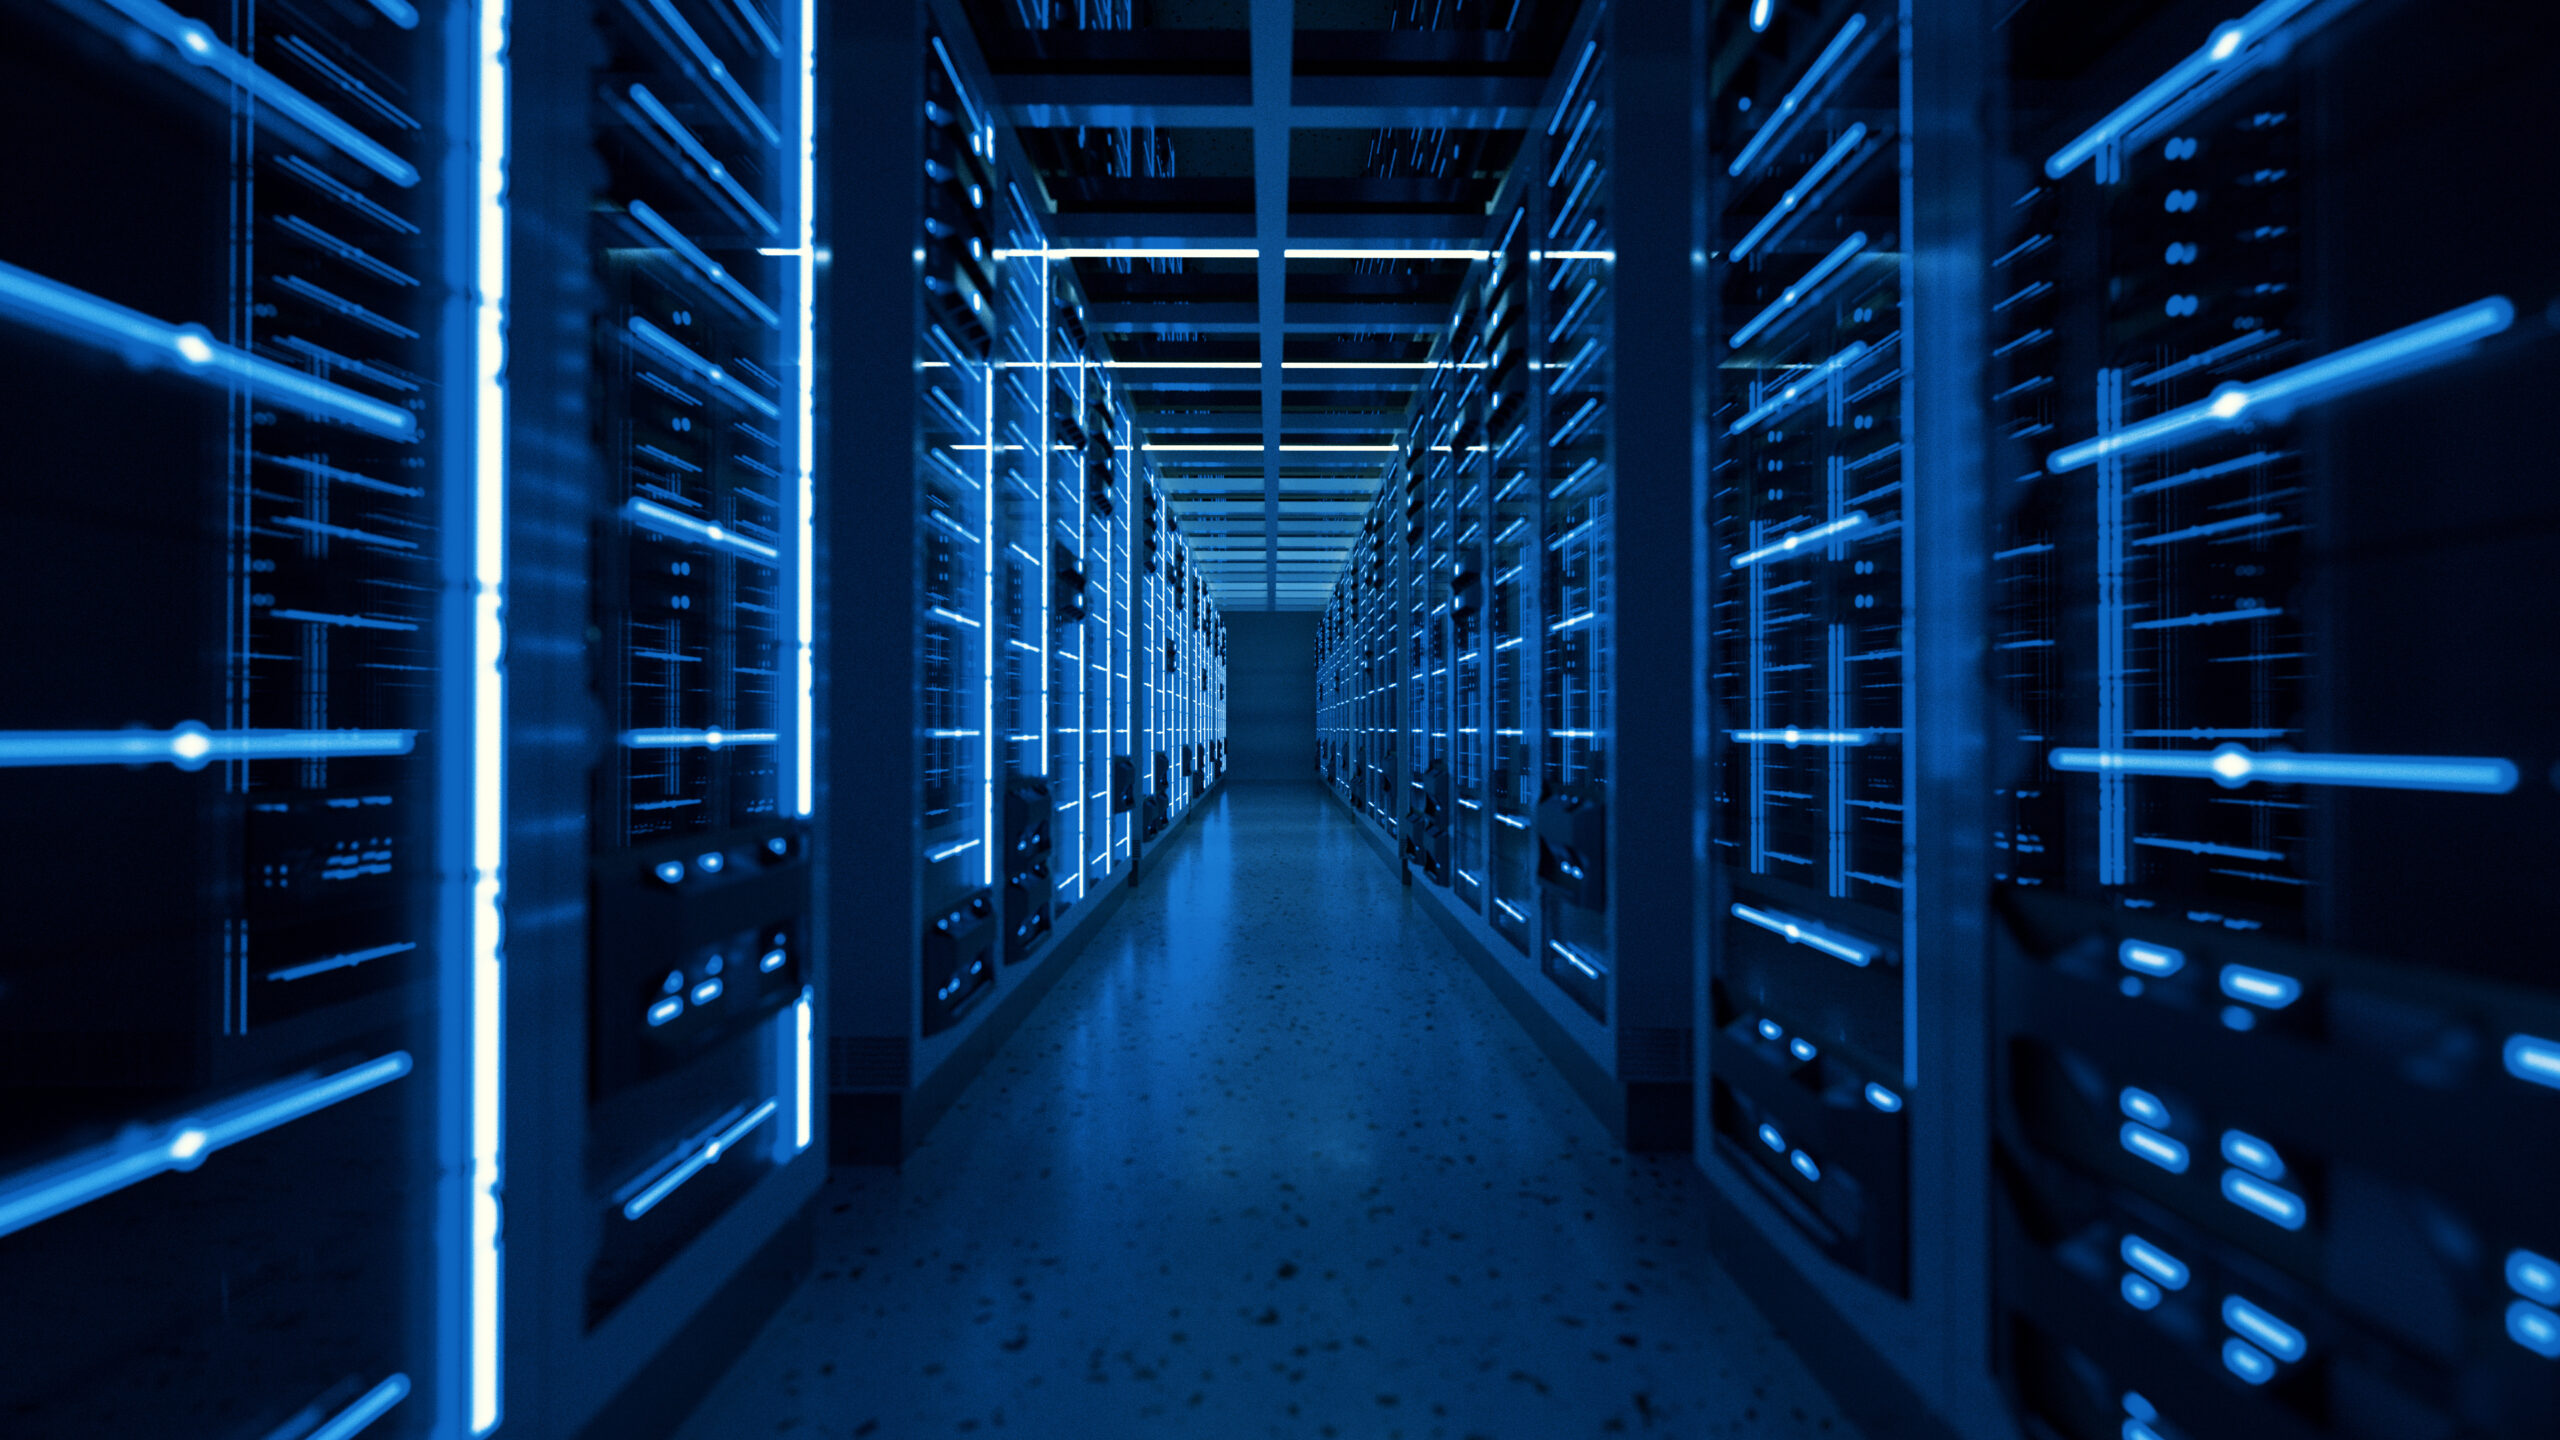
(1271, 695)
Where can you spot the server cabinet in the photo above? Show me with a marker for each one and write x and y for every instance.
(1009, 591)
(2276, 1119)
(662, 954)
(242, 334)
(1811, 1061)
(1477, 625)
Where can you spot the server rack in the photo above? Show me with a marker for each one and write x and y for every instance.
(2270, 772)
(243, 328)
(1045, 645)
(1469, 662)
(1811, 1065)
(663, 962)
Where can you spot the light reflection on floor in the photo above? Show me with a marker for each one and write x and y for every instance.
(1269, 1161)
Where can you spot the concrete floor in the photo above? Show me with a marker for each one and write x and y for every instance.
(1270, 1161)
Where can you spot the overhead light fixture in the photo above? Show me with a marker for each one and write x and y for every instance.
(1386, 254)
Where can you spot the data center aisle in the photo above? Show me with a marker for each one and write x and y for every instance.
(1269, 1161)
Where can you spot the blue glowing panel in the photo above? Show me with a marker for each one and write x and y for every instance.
(700, 859)
(238, 380)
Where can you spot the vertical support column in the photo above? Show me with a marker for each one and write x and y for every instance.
(1946, 199)
(1658, 213)
(871, 58)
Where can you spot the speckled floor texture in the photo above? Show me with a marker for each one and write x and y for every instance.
(1270, 1161)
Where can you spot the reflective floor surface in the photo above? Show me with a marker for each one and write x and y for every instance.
(1270, 1160)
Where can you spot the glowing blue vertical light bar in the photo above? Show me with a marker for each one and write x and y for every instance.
(1047, 546)
(486, 1063)
(805, 551)
(803, 1046)
(987, 635)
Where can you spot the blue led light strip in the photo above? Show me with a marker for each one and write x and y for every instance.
(1849, 140)
(671, 348)
(372, 1405)
(652, 515)
(1780, 118)
(803, 1046)
(804, 557)
(183, 1144)
(727, 84)
(697, 1159)
(2400, 352)
(696, 739)
(710, 269)
(1792, 737)
(1796, 931)
(1840, 255)
(484, 1070)
(196, 46)
(190, 746)
(1803, 541)
(1801, 387)
(2242, 40)
(188, 349)
(692, 147)
(2235, 765)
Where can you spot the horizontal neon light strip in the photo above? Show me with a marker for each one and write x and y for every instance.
(669, 347)
(1292, 364)
(195, 45)
(696, 739)
(1802, 385)
(2150, 959)
(2153, 1261)
(698, 1161)
(344, 961)
(190, 350)
(1428, 254)
(1289, 449)
(1840, 255)
(1797, 931)
(2532, 1058)
(691, 40)
(710, 269)
(182, 1144)
(946, 852)
(1573, 957)
(2233, 766)
(1795, 97)
(372, 1405)
(700, 154)
(2153, 1146)
(1802, 539)
(1792, 737)
(1850, 139)
(2272, 1203)
(654, 516)
(1211, 252)
(190, 746)
(2220, 49)
(2409, 348)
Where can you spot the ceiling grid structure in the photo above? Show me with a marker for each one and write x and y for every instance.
(1266, 203)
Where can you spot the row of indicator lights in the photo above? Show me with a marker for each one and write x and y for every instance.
(712, 862)
(1804, 1164)
(1803, 1049)
(2533, 1319)
(2531, 1058)
(710, 988)
(2259, 1340)
(2248, 1184)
